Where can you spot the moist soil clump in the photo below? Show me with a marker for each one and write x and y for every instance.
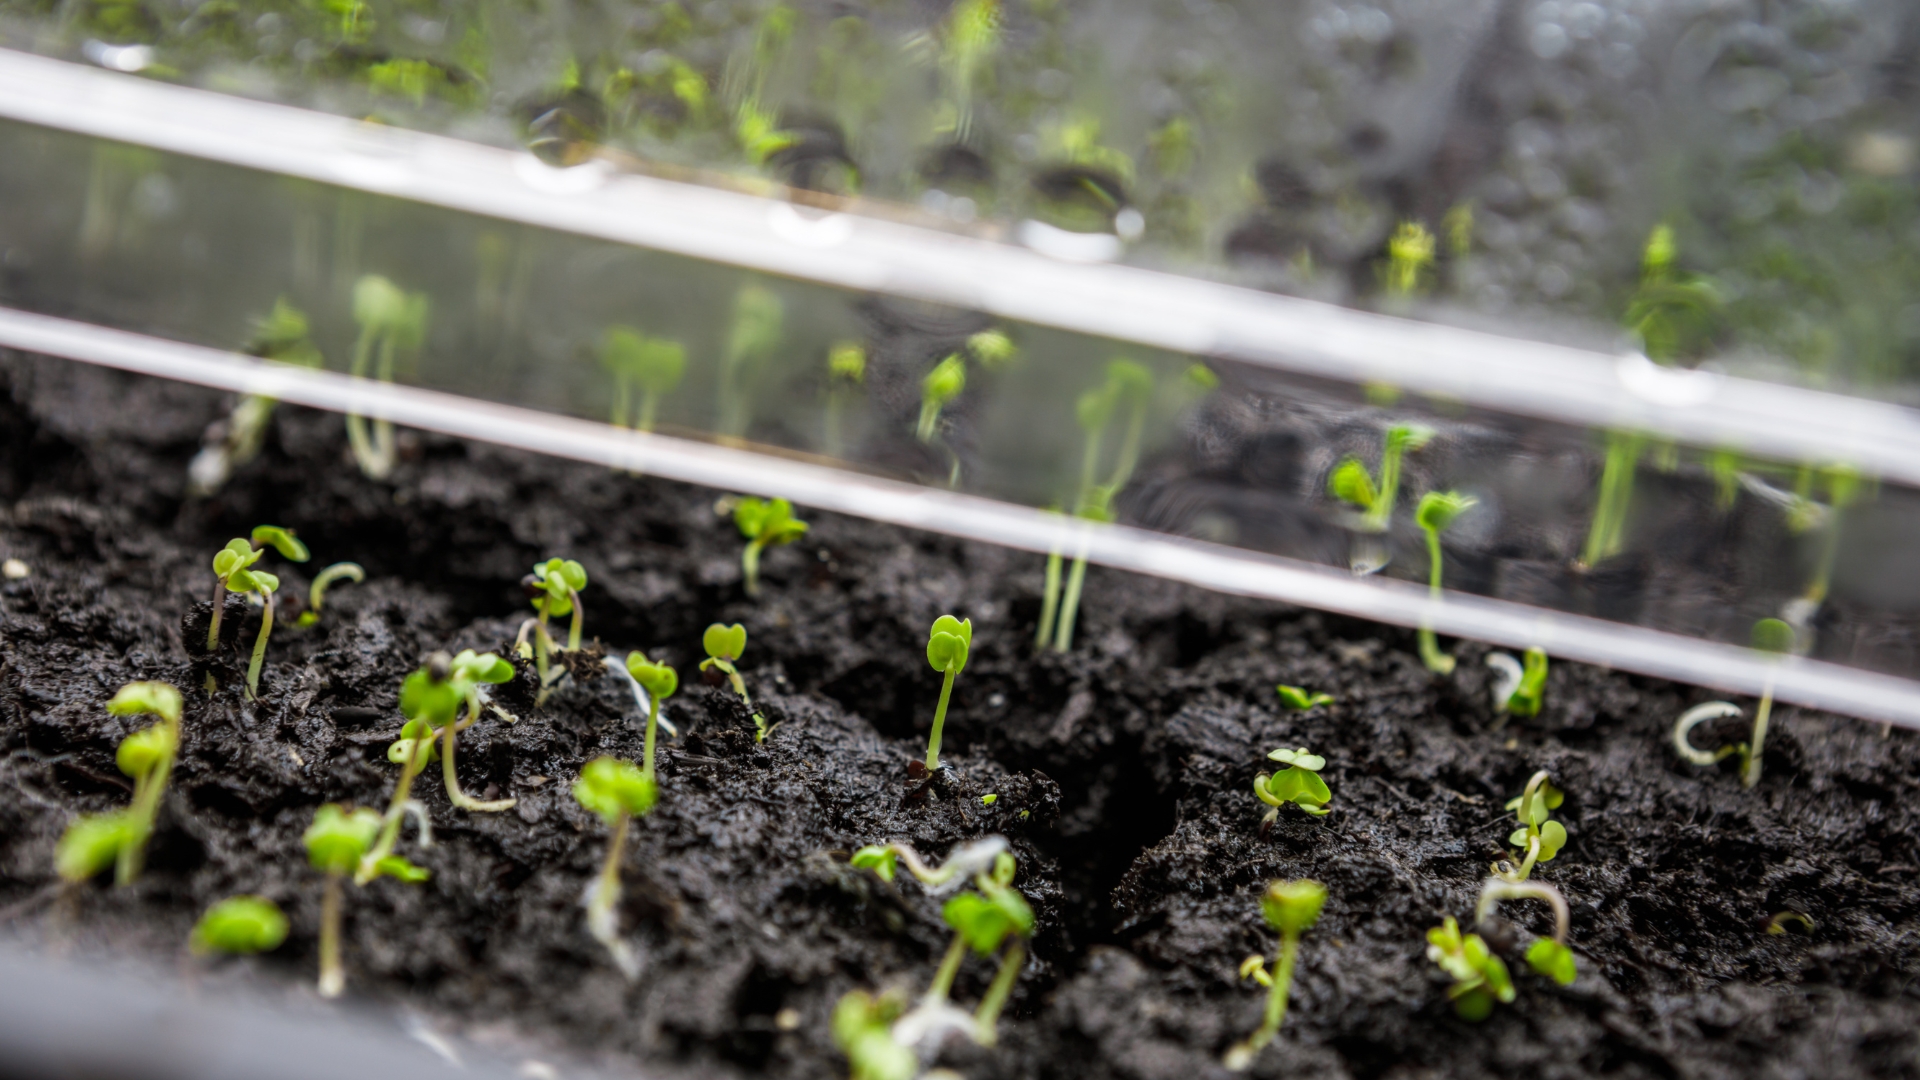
(1122, 774)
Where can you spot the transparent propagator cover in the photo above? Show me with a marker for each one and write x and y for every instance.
(1012, 384)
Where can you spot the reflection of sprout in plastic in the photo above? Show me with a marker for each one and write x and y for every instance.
(1458, 227)
(968, 42)
(758, 318)
(944, 383)
(993, 348)
(1291, 907)
(1351, 483)
(282, 336)
(1127, 382)
(846, 373)
(1674, 314)
(1437, 510)
(1771, 636)
(1409, 256)
(1607, 534)
(655, 365)
(391, 322)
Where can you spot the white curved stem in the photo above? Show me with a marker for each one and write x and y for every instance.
(1693, 718)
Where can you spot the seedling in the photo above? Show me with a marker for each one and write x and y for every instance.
(982, 921)
(429, 700)
(468, 676)
(336, 842)
(1351, 483)
(1769, 636)
(617, 792)
(1520, 691)
(1606, 536)
(324, 580)
(764, 523)
(1778, 924)
(660, 682)
(863, 1030)
(1300, 700)
(1436, 511)
(392, 322)
(724, 645)
(1291, 907)
(846, 372)
(1409, 256)
(947, 645)
(554, 588)
(967, 859)
(654, 365)
(1299, 783)
(1538, 838)
(1479, 977)
(232, 572)
(280, 337)
(944, 383)
(1548, 956)
(758, 315)
(1127, 383)
(119, 838)
(240, 926)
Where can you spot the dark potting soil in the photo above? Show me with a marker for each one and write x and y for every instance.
(1123, 773)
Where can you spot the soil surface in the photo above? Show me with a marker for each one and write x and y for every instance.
(1123, 773)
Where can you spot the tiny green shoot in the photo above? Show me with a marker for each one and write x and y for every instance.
(1290, 907)
(1548, 956)
(554, 589)
(1606, 536)
(391, 322)
(995, 914)
(1520, 690)
(324, 580)
(1539, 838)
(764, 523)
(947, 645)
(429, 700)
(336, 842)
(1479, 977)
(724, 646)
(1300, 699)
(971, 858)
(654, 365)
(993, 348)
(1353, 484)
(1778, 924)
(239, 926)
(863, 1030)
(468, 676)
(660, 682)
(1409, 256)
(119, 838)
(1772, 636)
(1299, 783)
(946, 381)
(617, 792)
(846, 373)
(1437, 510)
(232, 571)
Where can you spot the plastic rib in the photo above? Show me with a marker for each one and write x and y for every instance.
(1183, 314)
(1812, 683)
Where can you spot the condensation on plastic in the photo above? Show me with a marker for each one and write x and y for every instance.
(868, 254)
(1817, 684)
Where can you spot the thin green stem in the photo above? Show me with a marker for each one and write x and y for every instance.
(649, 405)
(456, 796)
(333, 978)
(750, 566)
(415, 764)
(1430, 654)
(942, 984)
(609, 892)
(1750, 775)
(579, 617)
(1129, 447)
(219, 608)
(988, 1015)
(1282, 984)
(146, 806)
(1381, 511)
(1049, 602)
(260, 644)
(363, 451)
(939, 722)
(739, 684)
(622, 399)
(542, 644)
(653, 724)
(830, 426)
(1070, 605)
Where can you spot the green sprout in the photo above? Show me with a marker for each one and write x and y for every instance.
(947, 645)
(1291, 907)
(1129, 383)
(392, 322)
(1549, 957)
(1771, 636)
(724, 646)
(1778, 924)
(1300, 700)
(1409, 256)
(119, 838)
(1299, 783)
(281, 337)
(758, 315)
(863, 1030)
(993, 348)
(429, 700)
(846, 372)
(1351, 483)
(554, 588)
(324, 580)
(336, 842)
(617, 792)
(1436, 511)
(1607, 535)
(1539, 838)
(232, 572)
(1520, 690)
(1674, 314)
(654, 365)
(660, 682)
(239, 925)
(1479, 977)
(764, 523)
(468, 676)
(944, 383)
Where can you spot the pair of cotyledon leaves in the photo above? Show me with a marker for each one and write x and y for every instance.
(948, 642)
(767, 522)
(613, 788)
(558, 580)
(1533, 819)
(1300, 784)
(429, 703)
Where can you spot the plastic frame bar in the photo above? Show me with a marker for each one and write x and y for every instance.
(1813, 683)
